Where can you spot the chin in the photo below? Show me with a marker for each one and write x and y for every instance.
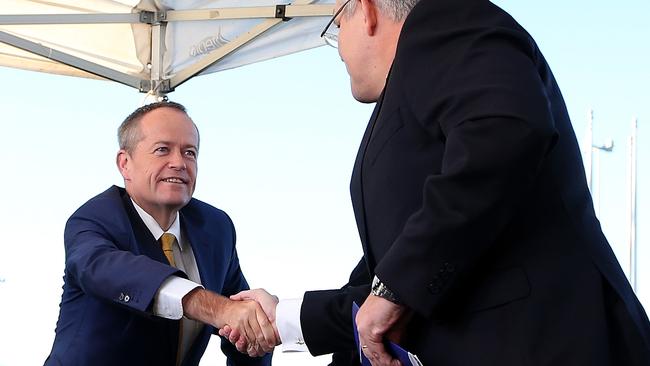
(364, 96)
(177, 201)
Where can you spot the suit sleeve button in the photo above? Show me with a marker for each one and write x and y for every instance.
(434, 289)
(121, 296)
(127, 298)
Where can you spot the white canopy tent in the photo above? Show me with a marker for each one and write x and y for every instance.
(154, 45)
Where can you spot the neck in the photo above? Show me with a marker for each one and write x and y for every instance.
(163, 215)
(386, 46)
(164, 219)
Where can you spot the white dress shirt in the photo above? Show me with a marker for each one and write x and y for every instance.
(168, 301)
(287, 320)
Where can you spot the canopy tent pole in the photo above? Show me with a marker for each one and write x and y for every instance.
(71, 60)
(221, 52)
(34, 19)
(301, 9)
(159, 86)
(279, 14)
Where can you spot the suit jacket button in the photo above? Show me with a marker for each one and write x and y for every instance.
(127, 298)
(121, 296)
(450, 267)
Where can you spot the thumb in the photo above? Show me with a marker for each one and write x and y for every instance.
(244, 295)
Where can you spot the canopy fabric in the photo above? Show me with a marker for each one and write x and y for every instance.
(154, 45)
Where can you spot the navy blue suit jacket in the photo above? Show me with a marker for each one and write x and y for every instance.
(472, 206)
(113, 269)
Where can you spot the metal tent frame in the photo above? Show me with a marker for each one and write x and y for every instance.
(158, 83)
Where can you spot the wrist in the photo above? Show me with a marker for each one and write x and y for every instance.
(203, 305)
(381, 290)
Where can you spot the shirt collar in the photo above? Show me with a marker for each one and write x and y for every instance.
(155, 229)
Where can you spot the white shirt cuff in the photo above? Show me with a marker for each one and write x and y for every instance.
(168, 302)
(287, 320)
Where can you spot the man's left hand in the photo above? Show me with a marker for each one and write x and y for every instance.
(376, 319)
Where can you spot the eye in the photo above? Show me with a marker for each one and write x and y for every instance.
(160, 150)
(190, 153)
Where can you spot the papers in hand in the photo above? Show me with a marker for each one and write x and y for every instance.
(405, 357)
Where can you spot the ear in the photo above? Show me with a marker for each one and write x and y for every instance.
(370, 13)
(123, 160)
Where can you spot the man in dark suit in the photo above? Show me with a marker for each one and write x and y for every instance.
(148, 266)
(478, 230)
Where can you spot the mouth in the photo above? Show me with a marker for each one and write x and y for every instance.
(174, 180)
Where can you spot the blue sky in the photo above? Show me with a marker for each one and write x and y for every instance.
(278, 143)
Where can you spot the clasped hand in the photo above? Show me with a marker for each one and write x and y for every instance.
(240, 334)
(242, 318)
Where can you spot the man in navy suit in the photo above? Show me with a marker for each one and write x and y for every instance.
(149, 268)
(481, 246)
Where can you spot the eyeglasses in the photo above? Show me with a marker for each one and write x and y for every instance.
(331, 37)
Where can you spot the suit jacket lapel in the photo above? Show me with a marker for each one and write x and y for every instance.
(199, 246)
(145, 243)
(202, 256)
(356, 185)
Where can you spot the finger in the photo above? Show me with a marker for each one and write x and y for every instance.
(241, 345)
(377, 354)
(267, 331)
(225, 331)
(253, 350)
(249, 334)
(234, 336)
(243, 295)
(255, 328)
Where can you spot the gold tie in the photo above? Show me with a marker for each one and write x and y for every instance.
(167, 240)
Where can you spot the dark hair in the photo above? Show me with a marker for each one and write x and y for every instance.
(128, 134)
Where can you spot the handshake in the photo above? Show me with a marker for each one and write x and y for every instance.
(246, 319)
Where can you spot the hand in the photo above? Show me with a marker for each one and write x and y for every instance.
(255, 331)
(377, 319)
(268, 303)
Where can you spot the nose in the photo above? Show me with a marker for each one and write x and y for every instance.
(176, 161)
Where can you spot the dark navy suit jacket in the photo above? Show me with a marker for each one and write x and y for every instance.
(472, 206)
(113, 269)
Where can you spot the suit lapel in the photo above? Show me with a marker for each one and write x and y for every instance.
(145, 243)
(356, 185)
(199, 246)
(198, 241)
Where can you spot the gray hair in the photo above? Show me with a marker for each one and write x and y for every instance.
(396, 10)
(129, 134)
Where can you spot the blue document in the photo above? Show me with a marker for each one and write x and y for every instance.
(405, 357)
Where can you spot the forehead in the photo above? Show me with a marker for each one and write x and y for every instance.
(168, 123)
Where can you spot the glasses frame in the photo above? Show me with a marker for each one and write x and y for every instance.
(329, 24)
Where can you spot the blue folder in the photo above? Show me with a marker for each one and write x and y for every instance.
(406, 357)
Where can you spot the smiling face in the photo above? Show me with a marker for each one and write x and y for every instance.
(160, 171)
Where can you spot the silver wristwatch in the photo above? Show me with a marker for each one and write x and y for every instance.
(379, 289)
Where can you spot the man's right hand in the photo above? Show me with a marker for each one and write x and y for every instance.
(247, 318)
(268, 303)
